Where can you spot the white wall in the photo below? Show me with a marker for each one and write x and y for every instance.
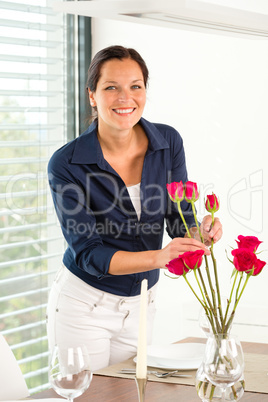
(213, 90)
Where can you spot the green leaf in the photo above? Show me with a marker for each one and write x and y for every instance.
(172, 277)
(234, 272)
(228, 257)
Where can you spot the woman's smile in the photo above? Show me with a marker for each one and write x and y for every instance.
(124, 111)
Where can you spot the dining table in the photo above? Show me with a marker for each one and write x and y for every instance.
(109, 386)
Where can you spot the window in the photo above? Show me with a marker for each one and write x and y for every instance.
(36, 115)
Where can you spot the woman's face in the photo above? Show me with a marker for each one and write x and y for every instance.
(120, 95)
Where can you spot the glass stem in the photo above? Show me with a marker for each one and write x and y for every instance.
(223, 394)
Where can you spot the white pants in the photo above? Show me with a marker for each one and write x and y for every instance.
(107, 324)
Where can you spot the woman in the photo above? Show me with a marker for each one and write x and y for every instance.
(109, 191)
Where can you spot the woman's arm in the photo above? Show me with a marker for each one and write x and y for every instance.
(124, 262)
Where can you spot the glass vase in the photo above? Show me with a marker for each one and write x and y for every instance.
(208, 392)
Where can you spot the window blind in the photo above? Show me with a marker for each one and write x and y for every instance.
(36, 116)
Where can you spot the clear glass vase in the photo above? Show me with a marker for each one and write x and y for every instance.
(208, 392)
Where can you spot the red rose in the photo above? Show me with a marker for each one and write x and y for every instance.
(185, 262)
(258, 267)
(176, 191)
(212, 203)
(249, 242)
(246, 261)
(191, 191)
(192, 259)
(177, 266)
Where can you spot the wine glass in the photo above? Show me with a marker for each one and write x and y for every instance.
(223, 361)
(69, 371)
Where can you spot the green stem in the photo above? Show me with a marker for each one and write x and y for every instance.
(211, 319)
(200, 288)
(196, 222)
(182, 217)
(243, 288)
(212, 389)
(209, 301)
(229, 322)
(212, 224)
(217, 283)
(205, 289)
(207, 309)
(229, 303)
(214, 308)
(238, 286)
(234, 392)
(200, 301)
(237, 301)
(188, 283)
(216, 271)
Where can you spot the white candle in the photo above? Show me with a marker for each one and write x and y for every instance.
(141, 367)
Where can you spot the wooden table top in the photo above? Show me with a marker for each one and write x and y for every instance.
(113, 389)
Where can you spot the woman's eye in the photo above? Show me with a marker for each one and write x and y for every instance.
(136, 86)
(109, 88)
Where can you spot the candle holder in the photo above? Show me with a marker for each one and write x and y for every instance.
(141, 385)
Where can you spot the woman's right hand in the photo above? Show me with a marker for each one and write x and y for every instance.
(177, 246)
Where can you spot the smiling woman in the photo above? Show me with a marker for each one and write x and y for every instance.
(91, 181)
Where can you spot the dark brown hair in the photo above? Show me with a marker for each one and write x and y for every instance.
(109, 53)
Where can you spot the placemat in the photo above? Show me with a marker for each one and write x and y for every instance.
(256, 369)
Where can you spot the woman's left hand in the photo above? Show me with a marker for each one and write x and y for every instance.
(210, 233)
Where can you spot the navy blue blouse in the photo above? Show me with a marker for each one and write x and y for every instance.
(95, 211)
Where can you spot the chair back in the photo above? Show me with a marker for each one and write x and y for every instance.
(12, 383)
